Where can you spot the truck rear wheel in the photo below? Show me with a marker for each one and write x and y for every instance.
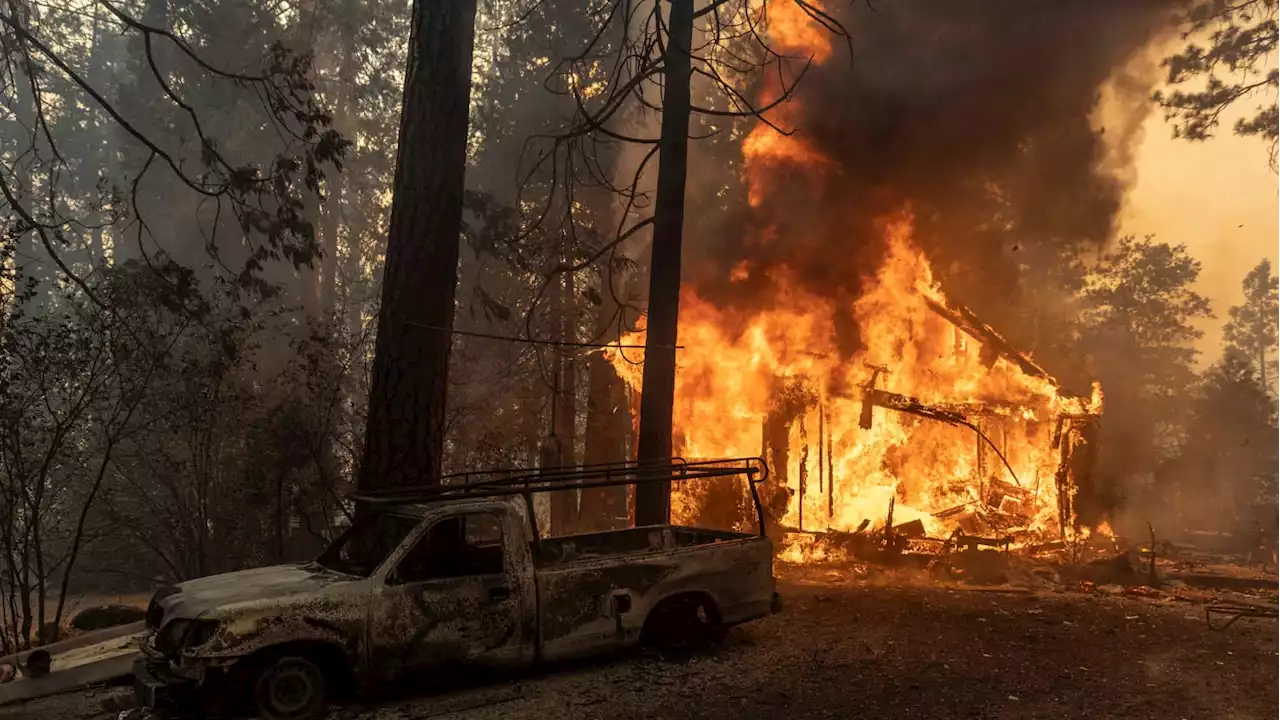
(684, 622)
(290, 687)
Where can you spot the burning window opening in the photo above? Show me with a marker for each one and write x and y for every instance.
(937, 431)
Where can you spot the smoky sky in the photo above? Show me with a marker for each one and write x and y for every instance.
(976, 113)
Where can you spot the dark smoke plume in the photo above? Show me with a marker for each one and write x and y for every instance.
(976, 113)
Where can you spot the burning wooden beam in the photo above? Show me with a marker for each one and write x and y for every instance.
(964, 318)
(906, 404)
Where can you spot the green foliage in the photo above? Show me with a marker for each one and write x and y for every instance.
(1209, 440)
(1137, 334)
(73, 381)
(1234, 419)
(257, 314)
(1252, 333)
(1140, 292)
(196, 153)
(1227, 465)
(1241, 42)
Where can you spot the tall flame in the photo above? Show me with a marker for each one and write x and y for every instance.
(737, 367)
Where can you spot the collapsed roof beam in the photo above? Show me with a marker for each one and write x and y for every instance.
(906, 404)
(963, 318)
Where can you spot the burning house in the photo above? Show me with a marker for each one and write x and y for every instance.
(831, 341)
(938, 424)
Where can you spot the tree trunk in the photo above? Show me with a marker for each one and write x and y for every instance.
(404, 439)
(329, 261)
(608, 422)
(31, 261)
(658, 394)
(776, 442)
(564, 506)
(140, 94)
(352, 278)
(309, 275)
(99, 137)
(1262, 366)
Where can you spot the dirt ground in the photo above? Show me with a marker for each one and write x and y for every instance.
(846, 648)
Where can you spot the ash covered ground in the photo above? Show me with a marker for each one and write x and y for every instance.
(865, 642)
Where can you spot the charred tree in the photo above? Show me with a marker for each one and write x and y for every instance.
(608, 423)
(776, 449)
(1094, 502)
(791, 402)
(404, 440)
(564, 504)
(658, 396)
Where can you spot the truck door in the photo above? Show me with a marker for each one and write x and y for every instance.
(451, 598)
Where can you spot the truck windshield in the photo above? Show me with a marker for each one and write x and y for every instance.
(363, 547)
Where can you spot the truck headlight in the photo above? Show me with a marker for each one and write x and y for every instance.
(181, 634)
(198, 633)
(169, 639)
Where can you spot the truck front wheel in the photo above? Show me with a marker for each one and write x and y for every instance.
(290, 687)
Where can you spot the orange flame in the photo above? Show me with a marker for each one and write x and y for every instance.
(734, 366)
(793, 31)
(727, 384)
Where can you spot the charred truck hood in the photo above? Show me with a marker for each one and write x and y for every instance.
(211, 596)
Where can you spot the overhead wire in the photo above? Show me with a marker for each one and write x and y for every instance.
(535, 341)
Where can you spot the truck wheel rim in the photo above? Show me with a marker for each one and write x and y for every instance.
(290, 689)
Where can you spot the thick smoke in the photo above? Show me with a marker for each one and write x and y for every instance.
(976, 114)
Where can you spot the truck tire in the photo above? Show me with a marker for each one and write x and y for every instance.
(684, 622)
(290, 687)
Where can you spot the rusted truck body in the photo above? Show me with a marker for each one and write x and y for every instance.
(450, 578)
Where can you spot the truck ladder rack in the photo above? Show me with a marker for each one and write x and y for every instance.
(502, 482)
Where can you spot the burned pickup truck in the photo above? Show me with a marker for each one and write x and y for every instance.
(452, 576)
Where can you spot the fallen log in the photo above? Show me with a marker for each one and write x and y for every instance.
(90, 659)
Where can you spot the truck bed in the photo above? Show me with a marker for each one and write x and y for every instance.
(580, 579)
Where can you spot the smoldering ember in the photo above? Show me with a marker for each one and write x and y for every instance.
(634, 359)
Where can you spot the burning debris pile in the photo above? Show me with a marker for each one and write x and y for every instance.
(1002, 502)
(938, 431)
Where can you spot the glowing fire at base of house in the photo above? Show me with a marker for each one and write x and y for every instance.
(935, 420)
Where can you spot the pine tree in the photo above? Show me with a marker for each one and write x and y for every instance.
(1252, 330)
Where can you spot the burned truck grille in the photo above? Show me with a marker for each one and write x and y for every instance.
(154, 614)
(167, 639)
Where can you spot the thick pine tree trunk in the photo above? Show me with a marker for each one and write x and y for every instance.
(564, 504)
(404, 441)
(657, 397)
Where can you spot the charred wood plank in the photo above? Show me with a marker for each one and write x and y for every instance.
(964, 318)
